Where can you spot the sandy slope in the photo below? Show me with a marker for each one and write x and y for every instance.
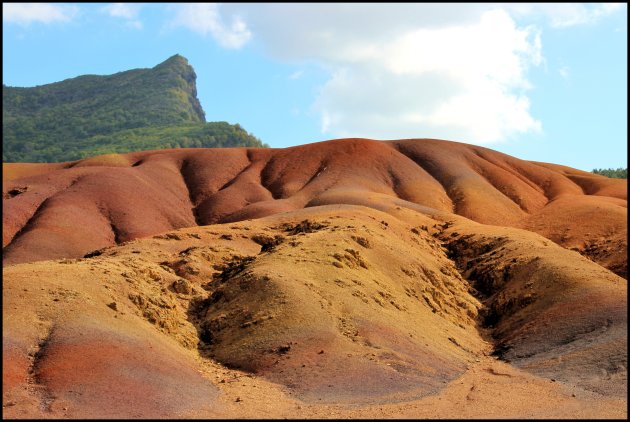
(335, 311)
(349, 278)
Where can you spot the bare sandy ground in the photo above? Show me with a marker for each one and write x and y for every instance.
(169, 285)
(202, 322)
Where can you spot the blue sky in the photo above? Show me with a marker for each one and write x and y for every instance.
(537, 81)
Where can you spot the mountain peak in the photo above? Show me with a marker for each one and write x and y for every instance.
(175, 60)
(64, 120)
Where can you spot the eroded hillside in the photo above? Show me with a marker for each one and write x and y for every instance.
(350, 278)
(326, 307)
(117, 198)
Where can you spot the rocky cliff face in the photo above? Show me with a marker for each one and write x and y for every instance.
(175, 70)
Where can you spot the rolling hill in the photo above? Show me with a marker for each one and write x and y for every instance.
(351, 278)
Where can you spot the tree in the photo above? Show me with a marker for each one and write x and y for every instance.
(618, 173)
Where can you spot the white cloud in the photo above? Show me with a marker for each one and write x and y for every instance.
(205, 18)
(127, 11)
(577, 14)
(563, 15)
(337, 31)
(122, 10)
(26, 13)
(414, 70)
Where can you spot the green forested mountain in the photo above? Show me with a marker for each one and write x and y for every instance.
(88, 115)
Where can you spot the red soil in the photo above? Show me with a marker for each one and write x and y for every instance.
(349, 278)
(82, 206)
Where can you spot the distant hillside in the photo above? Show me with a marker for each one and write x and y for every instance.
(128, 111)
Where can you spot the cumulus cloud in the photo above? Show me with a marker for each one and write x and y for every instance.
(424, 70)
(205, 18)
(127, 11)
(337, 32)
(27, 13)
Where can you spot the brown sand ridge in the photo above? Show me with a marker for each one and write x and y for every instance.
(348, 278)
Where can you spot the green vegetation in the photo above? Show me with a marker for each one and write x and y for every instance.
(135, 110)
(619, 173)
(208, 135)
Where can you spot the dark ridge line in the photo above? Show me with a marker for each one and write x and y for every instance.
(115, 231)
(543, 189)
(448, 190)
(33, 376)
(397, 147)
(261, 179)
(264, 177)
(395, 182)
(233, 179)
(578, 185)
(187, 183)
(27, 226)
(31, 220)
(513, 171)
(581, 188)
(196, 202)
(322, 166)
(549, 181)
(208, 197)
(477, 169)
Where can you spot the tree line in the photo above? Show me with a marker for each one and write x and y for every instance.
(618, 173)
